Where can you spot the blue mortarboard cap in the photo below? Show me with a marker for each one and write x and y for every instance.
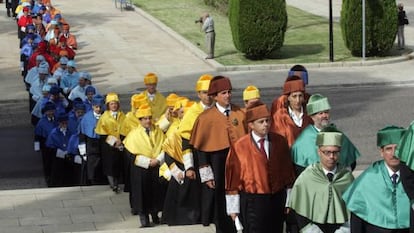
(48, 106)
(98, 100)
(54, 90)
(40, 58)
(80, 106)
(30, 27)
(62, 117)
(71, 63)
(46, 88)
(43, 68)
(30, 36)
(63, 60)
(57, 17)
(90, 89)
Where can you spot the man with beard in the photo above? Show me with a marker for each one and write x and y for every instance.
(304, 150)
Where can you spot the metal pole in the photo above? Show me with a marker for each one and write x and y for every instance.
(331, 52)
(363, 30)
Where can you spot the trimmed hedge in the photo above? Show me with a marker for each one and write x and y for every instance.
(258, 27)
(381, 26)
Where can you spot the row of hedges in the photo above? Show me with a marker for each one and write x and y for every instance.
(258, 27)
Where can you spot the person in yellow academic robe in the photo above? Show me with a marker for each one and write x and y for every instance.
(130, 122)
(156, 100)
(108, 127)
(144, 143)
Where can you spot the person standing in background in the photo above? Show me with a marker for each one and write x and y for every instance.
(208, 27)
(402, 21)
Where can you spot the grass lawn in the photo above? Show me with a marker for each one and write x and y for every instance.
(306, 38)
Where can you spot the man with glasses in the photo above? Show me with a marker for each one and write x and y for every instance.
(316, 196)
(377, 200)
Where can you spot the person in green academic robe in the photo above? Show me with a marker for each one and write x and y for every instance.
(316, 196)
(405, 152)
(376, 199)
(304, 151)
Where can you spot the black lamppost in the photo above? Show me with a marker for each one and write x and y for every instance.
(331, 53)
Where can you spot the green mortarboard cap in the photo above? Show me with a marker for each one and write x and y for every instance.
(329, 136)
(317, 103)
(389, 135)
(405, 148)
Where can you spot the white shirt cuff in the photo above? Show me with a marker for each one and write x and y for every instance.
(287, 197)
(82, 149)
(142, 161)
(161, 157)
(206, 174)
(175, 172)
(188, 160)
(163, 124)
(233, 204)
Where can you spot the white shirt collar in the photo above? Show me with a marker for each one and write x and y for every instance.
(296, 119)
(256, 137)
(390, 171)
(205, 107)
(221, 109)
(326, 171)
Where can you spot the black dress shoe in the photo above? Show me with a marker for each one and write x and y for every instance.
(155, 219)
(116, 189)
(134, 212)
(144, 219)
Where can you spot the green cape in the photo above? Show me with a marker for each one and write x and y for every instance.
(374, 198)
(315, 198)
(305, 151)
(405, 149)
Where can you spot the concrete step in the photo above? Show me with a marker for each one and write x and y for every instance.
(74, 209)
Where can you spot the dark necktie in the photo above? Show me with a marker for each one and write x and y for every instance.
(227, 112)
(147, 130)
(262, 148)
(394, 178)
(330, 176)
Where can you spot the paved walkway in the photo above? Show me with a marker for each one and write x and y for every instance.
(118, 48)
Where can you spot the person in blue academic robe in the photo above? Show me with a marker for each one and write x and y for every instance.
(42, 130)
(377, 200)
(58, 140)
(89, 142)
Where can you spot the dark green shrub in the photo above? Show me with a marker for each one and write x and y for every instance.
(381, 26)
(258, 27)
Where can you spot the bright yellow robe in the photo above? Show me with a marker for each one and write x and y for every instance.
(129, 123)
(187, 123)
(173, 127)
(107, 125)
(137, 142)
(158, 105)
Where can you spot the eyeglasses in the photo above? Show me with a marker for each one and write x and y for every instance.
(328, 152)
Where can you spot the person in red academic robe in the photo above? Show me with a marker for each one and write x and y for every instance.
(291, 119)
(258, 172)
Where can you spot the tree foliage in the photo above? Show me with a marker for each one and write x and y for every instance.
(258, 27)
(380, 29)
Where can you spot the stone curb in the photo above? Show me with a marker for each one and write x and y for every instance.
(221, 68)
